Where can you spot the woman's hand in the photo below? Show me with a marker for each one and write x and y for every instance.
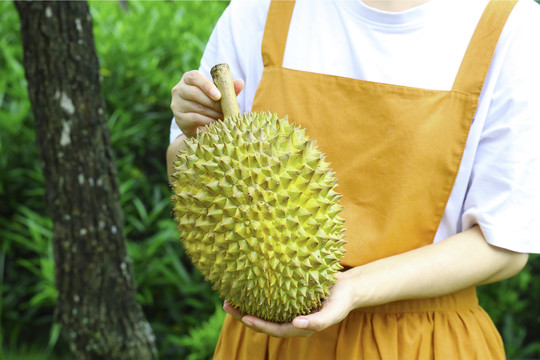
(456, 263)
(195, 102)
(334, 309)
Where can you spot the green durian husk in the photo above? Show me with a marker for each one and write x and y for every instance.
(258, 214)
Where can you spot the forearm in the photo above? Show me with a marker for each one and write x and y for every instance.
(459, 262)
(174, 148)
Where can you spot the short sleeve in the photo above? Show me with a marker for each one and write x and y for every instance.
(503, 195)
(174, 131)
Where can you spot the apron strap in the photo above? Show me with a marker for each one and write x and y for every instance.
(477, 59)
(276, 31)
(473, 69)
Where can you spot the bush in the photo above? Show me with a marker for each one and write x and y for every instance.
(513, 306)
(143, 48)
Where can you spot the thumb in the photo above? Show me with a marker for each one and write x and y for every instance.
(238, 86)
(313, 322)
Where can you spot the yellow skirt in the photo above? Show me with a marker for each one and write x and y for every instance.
(447, 327)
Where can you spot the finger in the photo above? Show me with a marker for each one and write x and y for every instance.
(186, 106)
(183, 93)
(312, 322)
(238, 86)
(197, 79)
(231, 310)
(331, 313)
(274, 329)
(191, 122)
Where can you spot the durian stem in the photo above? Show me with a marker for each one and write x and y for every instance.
(224, 82)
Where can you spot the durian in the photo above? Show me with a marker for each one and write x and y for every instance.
(258, 214)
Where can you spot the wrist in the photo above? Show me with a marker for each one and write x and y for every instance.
(363, 291)
(173, 149)
(371, 284)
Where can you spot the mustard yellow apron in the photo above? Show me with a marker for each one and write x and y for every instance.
(396, 151)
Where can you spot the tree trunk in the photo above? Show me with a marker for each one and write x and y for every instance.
(96, 302)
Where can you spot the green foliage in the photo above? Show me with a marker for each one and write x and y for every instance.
(201, 340)
(513, 306)
(26, 275)
(143, 51)
(28, 288)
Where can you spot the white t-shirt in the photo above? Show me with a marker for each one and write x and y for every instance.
(498, 183)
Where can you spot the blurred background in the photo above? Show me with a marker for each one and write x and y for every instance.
(144, 47)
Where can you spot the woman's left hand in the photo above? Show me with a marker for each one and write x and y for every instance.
(334, 309)
(460, 261)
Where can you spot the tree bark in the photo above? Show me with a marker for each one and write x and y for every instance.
(96, 303)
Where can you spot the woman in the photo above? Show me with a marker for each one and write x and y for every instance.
(428, 112)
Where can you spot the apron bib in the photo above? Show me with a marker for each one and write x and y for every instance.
(396, 152)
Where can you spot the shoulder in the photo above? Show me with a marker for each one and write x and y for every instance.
(524, 19)
(527, 8)
(504, 189)
(517, 53)
(237, 35)
(248, 14)
(515, 62)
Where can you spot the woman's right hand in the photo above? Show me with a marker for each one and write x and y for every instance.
(195, 102)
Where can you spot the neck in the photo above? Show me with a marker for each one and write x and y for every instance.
(394, 5)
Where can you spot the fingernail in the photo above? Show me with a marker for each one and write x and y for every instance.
(247, 322)
(215, 94)
(300, 323)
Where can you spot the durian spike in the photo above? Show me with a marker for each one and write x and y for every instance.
(221, 75)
